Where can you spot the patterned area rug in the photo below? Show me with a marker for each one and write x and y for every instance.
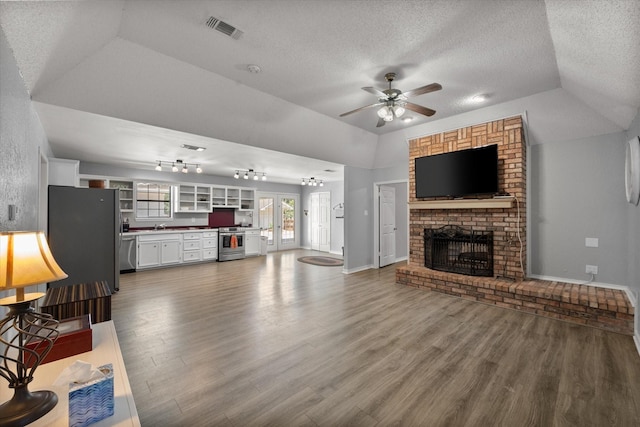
(323, 261)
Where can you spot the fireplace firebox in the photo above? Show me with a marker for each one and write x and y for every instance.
(457, 250)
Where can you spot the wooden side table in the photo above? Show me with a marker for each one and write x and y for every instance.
(106, 349)
(76, 300)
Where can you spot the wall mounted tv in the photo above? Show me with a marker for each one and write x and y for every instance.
(459, 173)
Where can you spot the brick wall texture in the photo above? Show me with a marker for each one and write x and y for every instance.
(607, 309)
(508, 225)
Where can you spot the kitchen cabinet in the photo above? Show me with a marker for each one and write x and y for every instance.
(170, 252)
(156, 250)
(191, 247)
(148, 254)
(124, 185)
(225, 197)
(252, 242)
(64, 172)
(210, 245)
(126, 193)
(247, 199)
(193, 198)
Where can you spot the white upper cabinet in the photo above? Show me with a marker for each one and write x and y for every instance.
(193, 198)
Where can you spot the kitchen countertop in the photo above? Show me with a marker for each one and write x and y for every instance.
(167, 231)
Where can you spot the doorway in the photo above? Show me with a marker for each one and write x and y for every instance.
(279, 220)
(320, 221)
(391, 222)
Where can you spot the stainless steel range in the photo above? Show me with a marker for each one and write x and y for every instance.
(230, 243)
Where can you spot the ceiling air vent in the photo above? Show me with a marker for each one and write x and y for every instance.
(223, 27)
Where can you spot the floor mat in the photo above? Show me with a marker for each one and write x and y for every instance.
(323, 261)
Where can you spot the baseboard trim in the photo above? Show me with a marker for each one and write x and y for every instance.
(630, 295)
(355, 270)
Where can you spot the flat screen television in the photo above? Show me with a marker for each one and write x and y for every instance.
(459, 173)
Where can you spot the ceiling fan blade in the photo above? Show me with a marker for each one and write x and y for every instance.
(361, 108)
(419, 109)
(381, 123)
(422, 90)
(376, 92)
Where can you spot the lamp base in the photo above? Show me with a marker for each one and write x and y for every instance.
(25, 407)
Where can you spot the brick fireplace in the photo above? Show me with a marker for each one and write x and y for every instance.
(506, 219)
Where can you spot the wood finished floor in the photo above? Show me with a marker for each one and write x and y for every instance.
(272, 341)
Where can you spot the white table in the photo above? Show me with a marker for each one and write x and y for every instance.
(106, 349)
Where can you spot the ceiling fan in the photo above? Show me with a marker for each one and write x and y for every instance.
(393, 103)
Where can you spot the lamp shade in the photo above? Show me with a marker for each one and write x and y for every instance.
(25, 260)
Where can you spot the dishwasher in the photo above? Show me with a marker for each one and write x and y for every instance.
(128, 254)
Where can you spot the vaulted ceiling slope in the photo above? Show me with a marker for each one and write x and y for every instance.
(157, 63)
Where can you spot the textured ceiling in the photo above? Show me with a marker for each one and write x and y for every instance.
(155, 63)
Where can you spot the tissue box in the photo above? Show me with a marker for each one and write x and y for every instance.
(92, 401)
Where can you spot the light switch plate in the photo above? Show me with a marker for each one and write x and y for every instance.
(591, 242)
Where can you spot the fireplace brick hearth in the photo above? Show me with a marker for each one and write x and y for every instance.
(607, 309)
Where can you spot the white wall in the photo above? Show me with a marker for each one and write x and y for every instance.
(633, 231)
(22, 138)
(358, 227)
(577, 191)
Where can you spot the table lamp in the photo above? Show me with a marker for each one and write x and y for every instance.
(25, 260)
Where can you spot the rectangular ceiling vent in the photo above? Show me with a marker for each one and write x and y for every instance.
(224, 28)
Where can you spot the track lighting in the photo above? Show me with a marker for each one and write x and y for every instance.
(312, 182)
(250, 173)
(175, 168)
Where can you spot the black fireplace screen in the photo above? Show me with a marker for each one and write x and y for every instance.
(456, 250)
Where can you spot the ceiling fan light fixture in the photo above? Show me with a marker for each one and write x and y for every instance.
(398, 110)
(388, 117)
(383, 112)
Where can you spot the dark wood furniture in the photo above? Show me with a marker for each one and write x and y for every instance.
(92, 298)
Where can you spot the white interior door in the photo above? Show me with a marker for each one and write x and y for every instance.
(324, 214)
(320, 221)
(387, 225)
(314, 219)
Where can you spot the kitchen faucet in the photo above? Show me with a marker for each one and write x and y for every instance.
(159, 227)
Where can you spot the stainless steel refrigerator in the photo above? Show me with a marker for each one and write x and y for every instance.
(84, 233)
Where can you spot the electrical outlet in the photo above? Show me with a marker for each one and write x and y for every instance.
(592, 269)
(591, 242)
